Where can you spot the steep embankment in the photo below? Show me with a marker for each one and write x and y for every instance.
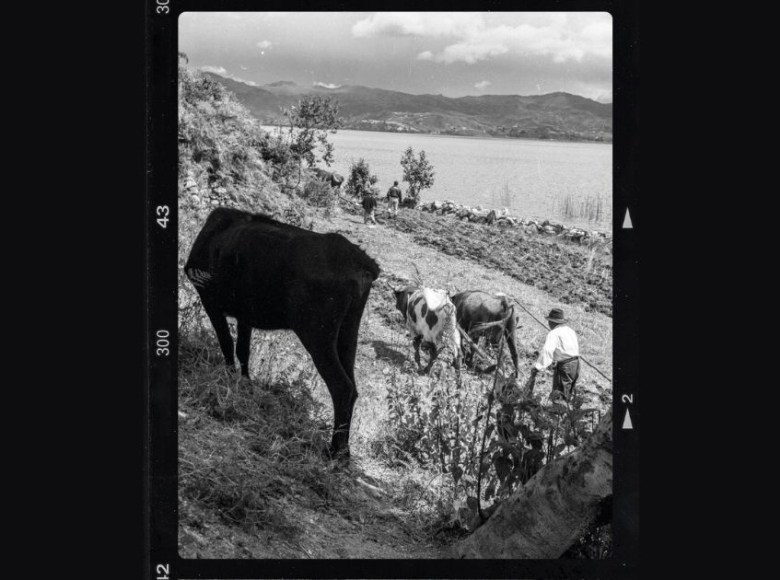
(252, 480)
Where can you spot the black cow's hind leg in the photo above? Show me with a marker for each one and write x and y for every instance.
(322, 349)
(219, 322)
(242, 346)
(347, 344)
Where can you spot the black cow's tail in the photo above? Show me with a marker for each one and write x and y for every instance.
(198, 262)
(366, 263)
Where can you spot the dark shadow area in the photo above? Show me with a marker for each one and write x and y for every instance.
(384, 351)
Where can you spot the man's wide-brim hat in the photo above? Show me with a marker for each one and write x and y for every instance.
(556, 315)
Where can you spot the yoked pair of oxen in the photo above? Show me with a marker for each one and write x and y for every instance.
(270, 275)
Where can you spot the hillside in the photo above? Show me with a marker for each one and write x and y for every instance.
(551, 116)
(252, 479)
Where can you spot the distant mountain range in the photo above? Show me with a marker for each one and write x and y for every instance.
(561, 116)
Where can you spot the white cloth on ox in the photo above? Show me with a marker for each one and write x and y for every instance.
(444, 332)
(435, 298)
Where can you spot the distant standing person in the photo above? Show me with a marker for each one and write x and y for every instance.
(394, 198)
(562, 350)
(369, 205)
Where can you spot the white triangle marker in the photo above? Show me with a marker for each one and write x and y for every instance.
(627, 424)
(627, 222)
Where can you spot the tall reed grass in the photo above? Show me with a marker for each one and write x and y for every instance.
(590, 208)
(502, 197)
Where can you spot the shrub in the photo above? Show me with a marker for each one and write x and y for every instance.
(418, 173)
(309, 124)
(485, 434)
(360, 179)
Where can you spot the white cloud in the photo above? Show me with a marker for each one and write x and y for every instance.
(213, 69)
(456, 24)
(598, 38)
(482, 85)
(221, 71)
(556, 36)
(470, 52)
(326, 85)
(265, 44)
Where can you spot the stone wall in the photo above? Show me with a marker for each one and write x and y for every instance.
(200, 196)
(503, 219)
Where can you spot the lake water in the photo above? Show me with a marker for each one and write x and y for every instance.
(534, 179)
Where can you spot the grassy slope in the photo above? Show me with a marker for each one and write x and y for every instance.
(252, 481)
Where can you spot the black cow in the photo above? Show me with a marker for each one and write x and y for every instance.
(270, 275)
(331, 177)
(475, 307)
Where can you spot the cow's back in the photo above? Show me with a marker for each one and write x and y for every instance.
(219, 221)
(475, 307)
(264, 269)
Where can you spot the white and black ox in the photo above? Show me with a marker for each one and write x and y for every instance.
(431, 319)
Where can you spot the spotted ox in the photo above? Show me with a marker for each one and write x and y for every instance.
(476, 308)
(430, 318)
(271, 275)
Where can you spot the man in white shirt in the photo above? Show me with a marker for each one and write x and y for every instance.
(562, 350)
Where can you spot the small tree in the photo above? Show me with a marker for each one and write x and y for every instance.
(309, 125)
(360, 179)
(418, 172)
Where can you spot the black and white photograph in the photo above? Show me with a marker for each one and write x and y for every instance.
(393, 320)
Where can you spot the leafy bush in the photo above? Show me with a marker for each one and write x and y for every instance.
(309, 124)
(361, 180)
(319, 193)
(486, 435)
(418, 173)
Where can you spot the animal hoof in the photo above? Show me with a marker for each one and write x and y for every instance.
(341, 456)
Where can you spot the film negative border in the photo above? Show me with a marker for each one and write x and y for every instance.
(164, 562)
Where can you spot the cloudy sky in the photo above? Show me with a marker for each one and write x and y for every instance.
(449, 53)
